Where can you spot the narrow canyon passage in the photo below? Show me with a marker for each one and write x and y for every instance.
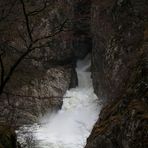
(49, 98)
(70, 127)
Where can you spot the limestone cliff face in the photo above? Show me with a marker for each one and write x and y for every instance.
(119, 56)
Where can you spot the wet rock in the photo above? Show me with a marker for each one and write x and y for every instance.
(119, 68)
(33, 95)
(42, 78)
(121, 127)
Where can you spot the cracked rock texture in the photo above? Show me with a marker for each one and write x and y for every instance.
(119, 72)
(116, 34)
(43, 77)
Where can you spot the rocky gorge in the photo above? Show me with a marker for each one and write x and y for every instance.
(114, 32)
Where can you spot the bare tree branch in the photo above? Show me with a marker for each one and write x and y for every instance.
(2, 69)
(14, 66)
(31, 46)
(60, 29)
(27, 20)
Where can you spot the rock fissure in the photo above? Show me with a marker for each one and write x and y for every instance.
(115, 32)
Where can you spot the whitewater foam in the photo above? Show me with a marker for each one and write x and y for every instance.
(70, 127)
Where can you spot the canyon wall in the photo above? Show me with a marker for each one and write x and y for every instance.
(116, 34)
(119, 55)
(42, 78)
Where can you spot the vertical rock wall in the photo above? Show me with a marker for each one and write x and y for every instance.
(116, 31)
(119, 71)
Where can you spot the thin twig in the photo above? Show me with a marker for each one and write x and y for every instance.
(60, 29)
(27, 20)
(2, 70)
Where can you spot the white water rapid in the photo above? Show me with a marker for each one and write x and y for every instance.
(70, 127)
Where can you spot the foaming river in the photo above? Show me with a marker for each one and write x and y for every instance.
(70, 126)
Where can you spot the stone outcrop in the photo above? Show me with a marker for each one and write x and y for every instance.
(119, 56)
(122, 124)
(116, 32)
(43, 77)
(32, 95)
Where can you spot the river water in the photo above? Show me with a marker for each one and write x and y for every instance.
(70, 126)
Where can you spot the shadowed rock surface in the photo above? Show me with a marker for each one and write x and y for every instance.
(7, 137)
(116, 32)
(119, 72)
(43, 77)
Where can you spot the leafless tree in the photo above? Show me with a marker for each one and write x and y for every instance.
(31, 42)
